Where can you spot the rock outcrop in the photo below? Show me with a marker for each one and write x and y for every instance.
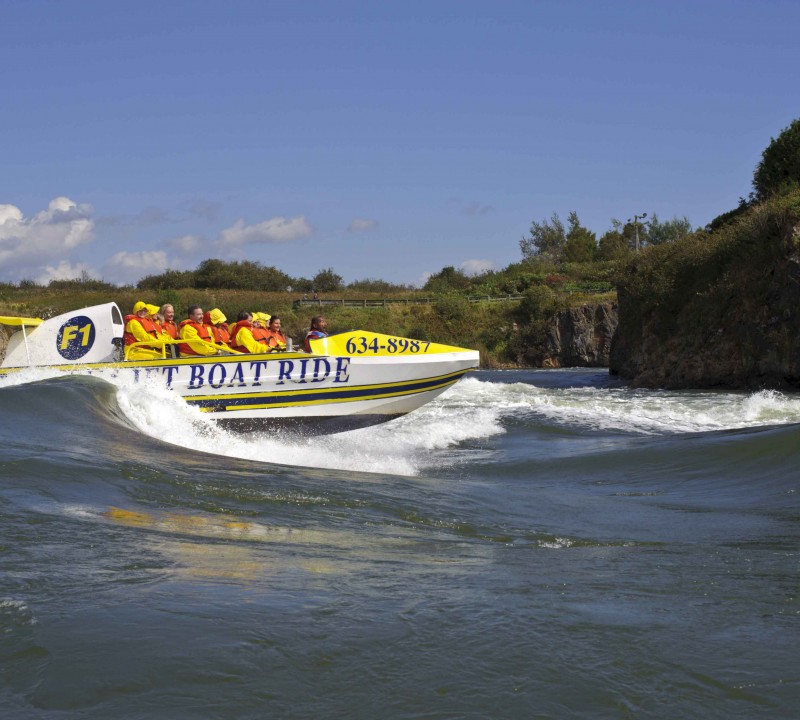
(578, 337)
(735, 325)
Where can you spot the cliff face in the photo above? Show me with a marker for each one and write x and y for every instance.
(578, 337)
(737, 327)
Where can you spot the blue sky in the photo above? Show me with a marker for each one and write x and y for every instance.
(385, 140)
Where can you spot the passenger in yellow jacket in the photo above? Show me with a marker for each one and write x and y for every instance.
(242, 339)
(197, 339)
(140, 327)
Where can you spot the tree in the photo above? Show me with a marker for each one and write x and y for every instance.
(447, 280)
(779, 169)
(376, 285)
(612, 246)
(581, 244)
(213, 273)
(657, 232)
(616, 242)
(547, 239)
(327, 281)
(168, 280)
(270, 279)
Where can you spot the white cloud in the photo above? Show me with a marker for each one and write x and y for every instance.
(476, 267)
(275, 230)
(10, 214)
(65, 270)
(150, 259)
(130, 267)
(362, 225)
(27, 244)
(422, 279)
(185, 243)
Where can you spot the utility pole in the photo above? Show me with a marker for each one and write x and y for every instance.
(636, 219)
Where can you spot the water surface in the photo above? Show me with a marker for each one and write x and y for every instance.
(534, 544)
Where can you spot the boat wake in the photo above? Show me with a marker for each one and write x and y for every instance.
(400, 447)
(453, 430)
(621, 409)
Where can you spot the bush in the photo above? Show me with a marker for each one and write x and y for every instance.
(170, 280)
(373, 285)
(539, 303)
(779, 169)
(447, 280)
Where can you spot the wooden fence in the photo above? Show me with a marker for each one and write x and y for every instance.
(384, 302)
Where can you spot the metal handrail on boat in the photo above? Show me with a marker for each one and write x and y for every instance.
(164, 343)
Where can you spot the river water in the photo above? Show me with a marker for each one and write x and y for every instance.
(534, 544)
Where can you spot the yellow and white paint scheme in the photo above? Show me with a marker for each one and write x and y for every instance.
(348, 380)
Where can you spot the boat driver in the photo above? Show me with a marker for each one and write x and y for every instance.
(318, 329)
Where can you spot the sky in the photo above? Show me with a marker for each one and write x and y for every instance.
(381, 139)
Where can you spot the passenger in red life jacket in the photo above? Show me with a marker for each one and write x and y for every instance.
(198, 339)
(169, 325)
(260, 332)
(219, 327)
(318, 330)
(276, 339)
(140, 327)
(242, 339)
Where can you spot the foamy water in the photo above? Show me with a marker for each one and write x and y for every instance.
(470, 410)
(402, 444)
(560, 537)
(636, 411)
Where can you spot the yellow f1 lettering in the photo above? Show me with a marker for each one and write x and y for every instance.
(69, 333)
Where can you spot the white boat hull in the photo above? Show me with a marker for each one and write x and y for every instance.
(351, 380)
(265, 390)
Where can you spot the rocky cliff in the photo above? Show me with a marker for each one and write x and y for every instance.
(722, 312)
(578, 337)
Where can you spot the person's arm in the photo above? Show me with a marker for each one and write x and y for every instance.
(277, 341)
(135, 328)
(244, 338)
(193, 340)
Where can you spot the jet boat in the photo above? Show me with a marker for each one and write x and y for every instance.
(349, 380)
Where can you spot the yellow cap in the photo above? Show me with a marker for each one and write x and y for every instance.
(139, 307)
(217, 316)
(153, 309)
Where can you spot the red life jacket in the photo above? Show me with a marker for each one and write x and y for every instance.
(221, 334)
(312, 335)
(276, 340)
(203, 332)
(151, 327)
(235, 331)
(260, 334)
(171, 329)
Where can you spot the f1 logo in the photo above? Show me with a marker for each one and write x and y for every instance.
(75, 338)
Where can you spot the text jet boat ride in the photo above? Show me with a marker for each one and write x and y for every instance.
(349, 380)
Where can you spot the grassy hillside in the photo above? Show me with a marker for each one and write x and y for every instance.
(716, 308)
(501, 331)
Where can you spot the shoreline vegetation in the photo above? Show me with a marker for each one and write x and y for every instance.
(501, 331)
(708, 307)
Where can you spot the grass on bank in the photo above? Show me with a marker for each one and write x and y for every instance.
(499, 330)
